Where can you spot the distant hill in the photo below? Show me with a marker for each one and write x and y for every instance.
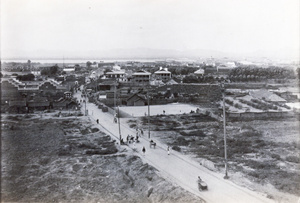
(142, 53)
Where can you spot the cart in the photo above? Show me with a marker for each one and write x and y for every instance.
(201, 184)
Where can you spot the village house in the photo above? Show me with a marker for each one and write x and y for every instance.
(199, 72)
(117, 75)
(69, 69)
(141, 77)
(13, 90)
(163, 74)
(136, 100)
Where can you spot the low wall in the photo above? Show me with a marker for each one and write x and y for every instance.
(259, 115)
(122, 113)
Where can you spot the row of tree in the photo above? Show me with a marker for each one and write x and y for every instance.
(256, 73)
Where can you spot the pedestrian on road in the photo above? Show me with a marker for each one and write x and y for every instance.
(97, 121)
(144, 150)
(168, 149)
(127, 139)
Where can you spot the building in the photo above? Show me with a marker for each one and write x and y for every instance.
(13, 89)
(136, 100)
(141, 77)
(163, 74)
(118, 75)
(199, 72)
(69, 69)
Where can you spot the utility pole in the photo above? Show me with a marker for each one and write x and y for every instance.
(148, 114)
(224, 125)
(120, 136)
(85, 97)
(115, 92)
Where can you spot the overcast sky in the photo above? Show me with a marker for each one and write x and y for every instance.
(36, 27)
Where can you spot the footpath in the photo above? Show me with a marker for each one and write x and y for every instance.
(175, 167)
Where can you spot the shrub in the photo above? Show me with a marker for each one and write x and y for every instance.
(95, 130)
(132, 125)
(176, 148)
(251, 134)
(276, 156)
(247, 127)
(266, 165)
(294, 159)
(181, 141)
(198, 133)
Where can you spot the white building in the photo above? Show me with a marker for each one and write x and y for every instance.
(163, 74)
(120, 75)
(199, 72)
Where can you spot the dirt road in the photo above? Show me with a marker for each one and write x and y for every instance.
(177, 168)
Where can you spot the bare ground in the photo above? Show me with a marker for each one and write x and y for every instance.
(69, 160)
(262, 155)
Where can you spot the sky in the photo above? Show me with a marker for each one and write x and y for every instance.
(74, 28)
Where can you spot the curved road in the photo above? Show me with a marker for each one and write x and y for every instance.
(177, 168)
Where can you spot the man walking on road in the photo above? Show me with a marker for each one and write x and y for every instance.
(144, 150)
(168, 149)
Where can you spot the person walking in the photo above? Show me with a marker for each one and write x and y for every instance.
(144, 150)
(97, 121)
(168, 149)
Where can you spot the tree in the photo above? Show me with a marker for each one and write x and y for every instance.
(50, 71)
(298, 72)
(53, 69)
(28, 77)
(88, 64)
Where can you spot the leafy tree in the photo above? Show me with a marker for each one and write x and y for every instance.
(88, 64)
(28, 77)
(50, 71)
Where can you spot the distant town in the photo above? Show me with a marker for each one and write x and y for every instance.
(32, 85)
(173, 129)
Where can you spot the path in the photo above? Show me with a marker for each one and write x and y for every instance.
(177, 168)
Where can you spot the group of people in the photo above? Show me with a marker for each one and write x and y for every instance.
(130, 139)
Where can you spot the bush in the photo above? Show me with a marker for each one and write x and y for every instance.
(276, 156)
(294, 159)
(247, 127)
(266, 165)
(197, 133)
(251, 134)
(95, 130)
(181, 141)
(176, 148)
(132, 125)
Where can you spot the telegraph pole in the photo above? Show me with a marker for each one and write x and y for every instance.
(224, 125)
(148, 114)
(85, 113)
(120, 137)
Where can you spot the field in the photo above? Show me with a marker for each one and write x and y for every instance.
(262, 155)
(139, 111)
(67, 159)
